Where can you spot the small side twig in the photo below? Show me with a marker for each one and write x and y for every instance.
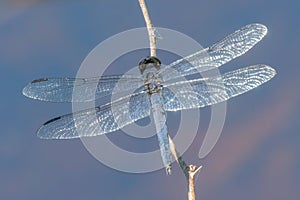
(151, 30)
(193, 170)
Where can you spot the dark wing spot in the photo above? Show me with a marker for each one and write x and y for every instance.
(39, 80)
(52, 120)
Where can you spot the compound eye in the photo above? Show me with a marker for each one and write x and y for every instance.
(153, 61)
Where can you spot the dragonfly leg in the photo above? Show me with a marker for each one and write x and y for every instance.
(169, 169)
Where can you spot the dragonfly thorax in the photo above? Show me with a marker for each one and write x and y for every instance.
(153, 82)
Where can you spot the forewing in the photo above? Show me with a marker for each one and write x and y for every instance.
(99, 120)
(207, 91)
(218, 54)
(87, 89)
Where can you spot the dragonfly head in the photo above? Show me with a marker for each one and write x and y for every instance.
(149, 64)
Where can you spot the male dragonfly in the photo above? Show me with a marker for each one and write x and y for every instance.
(157, 91)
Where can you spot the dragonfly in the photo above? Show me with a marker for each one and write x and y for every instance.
(157, 90)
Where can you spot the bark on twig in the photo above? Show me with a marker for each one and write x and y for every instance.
(151, 30)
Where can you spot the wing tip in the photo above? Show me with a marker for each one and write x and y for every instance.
(41, 131)
(47, 132)
(25, 91)
(272, 71)
(263, 29)
(28, 90)
(40, 134)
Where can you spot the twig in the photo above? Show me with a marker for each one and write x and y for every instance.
(151, 30)
(189, 170)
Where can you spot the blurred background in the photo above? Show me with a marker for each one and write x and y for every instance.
(257, 156)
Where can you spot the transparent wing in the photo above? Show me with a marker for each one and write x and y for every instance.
(207, 91)
(99, 120)
(218, 54)
(87, 89)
